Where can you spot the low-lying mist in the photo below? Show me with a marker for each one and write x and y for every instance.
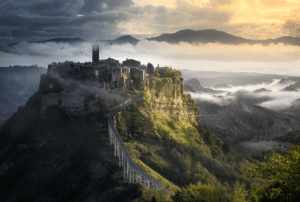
(251, 147)
(279, 59)
(269, 95)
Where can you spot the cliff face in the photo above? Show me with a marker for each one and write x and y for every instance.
(166, 96)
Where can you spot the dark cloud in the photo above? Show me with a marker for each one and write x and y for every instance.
(56, 7)
(89, 19)
(101, 5)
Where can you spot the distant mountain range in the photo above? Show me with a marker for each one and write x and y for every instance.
(122, 40)
(294, 87)
(205, 36)
(212, 36)
(187, 35)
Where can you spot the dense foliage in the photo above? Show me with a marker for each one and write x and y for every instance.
(283, 174)
(184, 155)
(167, 73)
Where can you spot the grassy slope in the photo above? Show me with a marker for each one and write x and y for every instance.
(179, 152)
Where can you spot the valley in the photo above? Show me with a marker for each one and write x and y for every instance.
(247, 114)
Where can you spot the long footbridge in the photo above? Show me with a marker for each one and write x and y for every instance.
(131, 172)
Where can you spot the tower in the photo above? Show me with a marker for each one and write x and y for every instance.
(95, 49)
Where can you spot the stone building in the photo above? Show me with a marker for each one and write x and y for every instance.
(131, 63)
(143, 67)
(137, 73)
(107, 73)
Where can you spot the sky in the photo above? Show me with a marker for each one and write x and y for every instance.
(107, 19)
(91, 20)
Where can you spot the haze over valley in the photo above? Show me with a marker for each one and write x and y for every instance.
(249, 114)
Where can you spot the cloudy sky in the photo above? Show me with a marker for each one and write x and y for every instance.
(91, 20)
(106, 19)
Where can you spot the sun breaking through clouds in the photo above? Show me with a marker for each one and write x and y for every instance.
(106, 19)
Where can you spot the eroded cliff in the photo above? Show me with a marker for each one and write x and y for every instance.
(166, 96)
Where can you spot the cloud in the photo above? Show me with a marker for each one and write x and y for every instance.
(107, 19)
(292, 27)
(160, 19)
(102, 5)
(247, 18)
(275, 98)
(34, 20)
(279, 59)
(56, 7)
(225, 53)
(250, 147)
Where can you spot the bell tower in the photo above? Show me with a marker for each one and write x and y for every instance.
(95, 49)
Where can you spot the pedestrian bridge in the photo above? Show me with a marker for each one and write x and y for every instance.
(131, 172)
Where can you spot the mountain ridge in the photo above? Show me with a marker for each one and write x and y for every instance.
(213, 35)
(185, 35)
(122, 40)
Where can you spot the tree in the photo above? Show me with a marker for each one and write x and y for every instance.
(156, 72)
(197, 192)
(176, 73)
(226, 148)
(239, 193)
(167, 72)
(283, 174)
(150, 68)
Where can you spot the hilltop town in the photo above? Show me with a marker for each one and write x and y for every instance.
(108, 74)
(70, 85)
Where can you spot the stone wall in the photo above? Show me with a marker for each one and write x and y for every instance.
(116, 74)
(136, 73)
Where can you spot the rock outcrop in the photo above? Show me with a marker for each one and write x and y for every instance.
(194, 85)
(167, 97)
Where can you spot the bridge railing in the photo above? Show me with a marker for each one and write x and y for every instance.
(111, 123)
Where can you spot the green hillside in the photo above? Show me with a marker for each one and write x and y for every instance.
(55, 157)
(179, 152)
